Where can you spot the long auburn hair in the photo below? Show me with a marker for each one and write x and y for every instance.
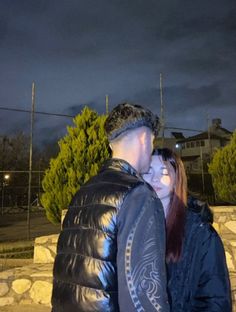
(175, 219)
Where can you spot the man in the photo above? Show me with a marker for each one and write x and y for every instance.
(111, 251)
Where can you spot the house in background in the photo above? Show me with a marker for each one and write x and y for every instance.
(170, 142)
(196, 150)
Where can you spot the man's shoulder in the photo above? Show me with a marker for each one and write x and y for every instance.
(111, 177)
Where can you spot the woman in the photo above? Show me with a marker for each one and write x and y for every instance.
(198, 278)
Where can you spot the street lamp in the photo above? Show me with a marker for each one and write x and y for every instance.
(6, 178)
(178, 149)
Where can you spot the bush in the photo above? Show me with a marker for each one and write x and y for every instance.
(82, 151)
(223, 171)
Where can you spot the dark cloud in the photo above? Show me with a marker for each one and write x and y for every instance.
(79, 51)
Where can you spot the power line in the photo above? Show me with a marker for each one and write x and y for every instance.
(70, 116)
(186, 129)
(36, 112)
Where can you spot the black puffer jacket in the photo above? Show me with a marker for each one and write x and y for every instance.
(85, 269)
(200, 280)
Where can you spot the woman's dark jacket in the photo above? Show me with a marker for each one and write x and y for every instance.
(109, 257)
(200, 280)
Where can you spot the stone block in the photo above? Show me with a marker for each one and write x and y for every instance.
(231, 225)
(6, 274)
(20, 286)
(222, 219)
(223, 209)
(42, 274)
(216, 227)
(41, 292)
(229, 261)
(41, 240)
(233, 281)
(3, 289)
(6, 301)
(42, 255)
(25, 302)
(53, 248)
(233, 216)
(54, 238)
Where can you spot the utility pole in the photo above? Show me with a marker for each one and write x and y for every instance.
(162, 122)
(30, 159)
(107, 104)
(202, 170)
(209, 135)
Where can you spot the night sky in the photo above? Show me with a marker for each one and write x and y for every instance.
(77, 51)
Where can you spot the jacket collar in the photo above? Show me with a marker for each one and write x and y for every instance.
(120, 165)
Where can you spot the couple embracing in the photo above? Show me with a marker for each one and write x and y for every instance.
(131, 240)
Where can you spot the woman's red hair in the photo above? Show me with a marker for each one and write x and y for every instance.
(175, 219)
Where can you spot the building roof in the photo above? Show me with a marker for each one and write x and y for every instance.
(202, 136)
(225, 130)
(178, 135)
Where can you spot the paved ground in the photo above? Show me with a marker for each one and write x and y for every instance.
(13, 227)
(25, 308)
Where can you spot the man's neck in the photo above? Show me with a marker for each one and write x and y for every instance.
(127, 157)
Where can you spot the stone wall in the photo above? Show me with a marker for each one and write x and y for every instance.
(45, 249)
(26, 285)
(33, 283)
(225, 224)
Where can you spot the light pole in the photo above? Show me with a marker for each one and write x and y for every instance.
(6, 178)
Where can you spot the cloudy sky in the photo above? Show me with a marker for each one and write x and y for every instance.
(77, 51)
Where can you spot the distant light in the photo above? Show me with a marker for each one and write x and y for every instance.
(177, 145)
(7, 176)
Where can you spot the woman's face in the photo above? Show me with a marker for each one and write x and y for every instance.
(161, 176)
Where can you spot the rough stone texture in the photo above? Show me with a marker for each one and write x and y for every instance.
(42, 255)
(231, 225)
(229, 261)
(6, 301)
(53, 248)
(222, 219)
(3, 289)
(25, 302)
(41, 240)
(45, 249)
(6, 274)
(20, 286)
(225, 225)
(40, 292)
(40, 273)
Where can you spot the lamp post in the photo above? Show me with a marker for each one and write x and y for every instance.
(6, 178)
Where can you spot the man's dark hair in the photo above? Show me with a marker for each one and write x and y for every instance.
(128, 116)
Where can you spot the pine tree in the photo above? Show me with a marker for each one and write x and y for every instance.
(82, 152)
(223, 171)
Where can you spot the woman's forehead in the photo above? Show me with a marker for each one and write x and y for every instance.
(157, 161)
